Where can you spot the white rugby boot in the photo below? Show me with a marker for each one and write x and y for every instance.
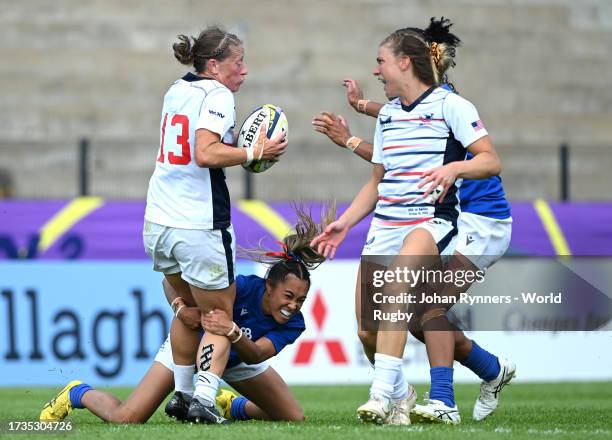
(400, 409)
(489, 391)
(435, 411)
(375, 410)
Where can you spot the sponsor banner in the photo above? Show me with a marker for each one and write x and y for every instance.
(103, 323)
(98, 322)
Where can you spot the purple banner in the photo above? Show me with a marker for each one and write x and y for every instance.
(94, 229)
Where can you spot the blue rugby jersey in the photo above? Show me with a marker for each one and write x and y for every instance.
(484, 197)
(249, 316)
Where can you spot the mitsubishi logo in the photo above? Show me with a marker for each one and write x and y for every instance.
(306, 348)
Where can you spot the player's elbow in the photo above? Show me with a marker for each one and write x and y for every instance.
(203, 159)
(496, 166)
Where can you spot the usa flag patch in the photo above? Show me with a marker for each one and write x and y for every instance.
(477, 125)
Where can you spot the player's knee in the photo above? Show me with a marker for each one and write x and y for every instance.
(295, 415)
(123, 417)
(367, 338)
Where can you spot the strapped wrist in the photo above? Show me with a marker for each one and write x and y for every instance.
(235, 329)
(353, 142)
(362, 105)
(249, 156)
(174, 305)
(181, 307)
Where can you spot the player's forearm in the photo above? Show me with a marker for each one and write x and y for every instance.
(481, 166)
(363, 203)
(249, 352)
(219, 155)
(372, 108)
(169, 292)
(365, 151)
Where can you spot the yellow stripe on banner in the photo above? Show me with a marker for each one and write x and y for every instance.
(266, 217)
(547, 217)
(65, 219)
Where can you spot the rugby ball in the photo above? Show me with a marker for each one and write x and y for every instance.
(276, 122)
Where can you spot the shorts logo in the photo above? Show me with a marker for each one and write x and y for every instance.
(217, 270)
(370, 241)
(469, 240)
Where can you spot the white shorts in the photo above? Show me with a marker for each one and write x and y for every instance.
(205, 257)
(389, 241)
(236, 373)
(483, 240)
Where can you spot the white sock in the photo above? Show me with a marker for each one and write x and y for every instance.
(207, 386)
(400, 389)
(183, 378)
(386, 369)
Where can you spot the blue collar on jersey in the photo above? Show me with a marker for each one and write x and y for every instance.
(425, 94)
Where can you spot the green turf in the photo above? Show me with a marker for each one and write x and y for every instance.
(560, 410)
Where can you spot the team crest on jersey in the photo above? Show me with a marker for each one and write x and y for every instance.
(426, 119)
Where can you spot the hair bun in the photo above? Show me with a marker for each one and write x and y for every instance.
(438, 31)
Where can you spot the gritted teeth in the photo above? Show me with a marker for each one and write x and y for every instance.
(285, 313)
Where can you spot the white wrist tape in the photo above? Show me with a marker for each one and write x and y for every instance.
(249, 159)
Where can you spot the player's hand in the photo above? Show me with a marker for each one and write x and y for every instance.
(353, 92)
(269, 148)
(438, 178)
(217, 322)
(333, 126)
(191, 317)
(328, 241)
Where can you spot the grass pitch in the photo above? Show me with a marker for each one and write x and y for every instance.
(556, 410)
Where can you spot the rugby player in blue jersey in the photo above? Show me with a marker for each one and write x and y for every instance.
(484, 235)
(266, 318)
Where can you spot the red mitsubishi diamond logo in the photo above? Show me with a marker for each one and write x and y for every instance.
(306, 348)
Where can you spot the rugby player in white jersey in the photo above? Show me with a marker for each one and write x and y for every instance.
(485, 226)
(423, 132)
(187, 231)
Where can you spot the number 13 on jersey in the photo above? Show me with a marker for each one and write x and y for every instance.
(181, 139)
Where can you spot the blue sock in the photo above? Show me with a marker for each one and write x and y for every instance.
(480, 361)
(442, 385)
(238, 410)
(76, 394)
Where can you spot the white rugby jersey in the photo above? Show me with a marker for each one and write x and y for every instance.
(182, 194)
(434, 130)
